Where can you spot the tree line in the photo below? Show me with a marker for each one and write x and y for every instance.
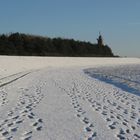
(31, 45)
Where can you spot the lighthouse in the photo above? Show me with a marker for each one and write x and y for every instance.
(100, 41)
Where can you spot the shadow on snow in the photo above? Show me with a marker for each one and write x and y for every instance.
(114, 80)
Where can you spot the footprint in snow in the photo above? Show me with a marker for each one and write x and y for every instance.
(137, 136)
(92, 137)
(86, 120)
(113, 125)
(88, 129)
(14, 129)
(27, 135)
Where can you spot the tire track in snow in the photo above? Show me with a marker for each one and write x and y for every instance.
(16, 77)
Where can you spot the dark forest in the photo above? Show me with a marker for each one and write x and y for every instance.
(31, 45)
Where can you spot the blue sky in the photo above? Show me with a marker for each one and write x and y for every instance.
(117, 20)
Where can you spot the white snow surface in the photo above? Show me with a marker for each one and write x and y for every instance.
(53, 98)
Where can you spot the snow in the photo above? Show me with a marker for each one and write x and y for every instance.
(126, 77)
(15, 64)
(61, 98)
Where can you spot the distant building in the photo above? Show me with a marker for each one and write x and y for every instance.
(100, 41)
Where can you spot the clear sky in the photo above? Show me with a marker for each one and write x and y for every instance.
(117, 20)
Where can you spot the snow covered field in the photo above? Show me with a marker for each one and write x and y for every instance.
(49, 98)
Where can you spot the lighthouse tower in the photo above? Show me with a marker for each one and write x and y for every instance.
(100, 41)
